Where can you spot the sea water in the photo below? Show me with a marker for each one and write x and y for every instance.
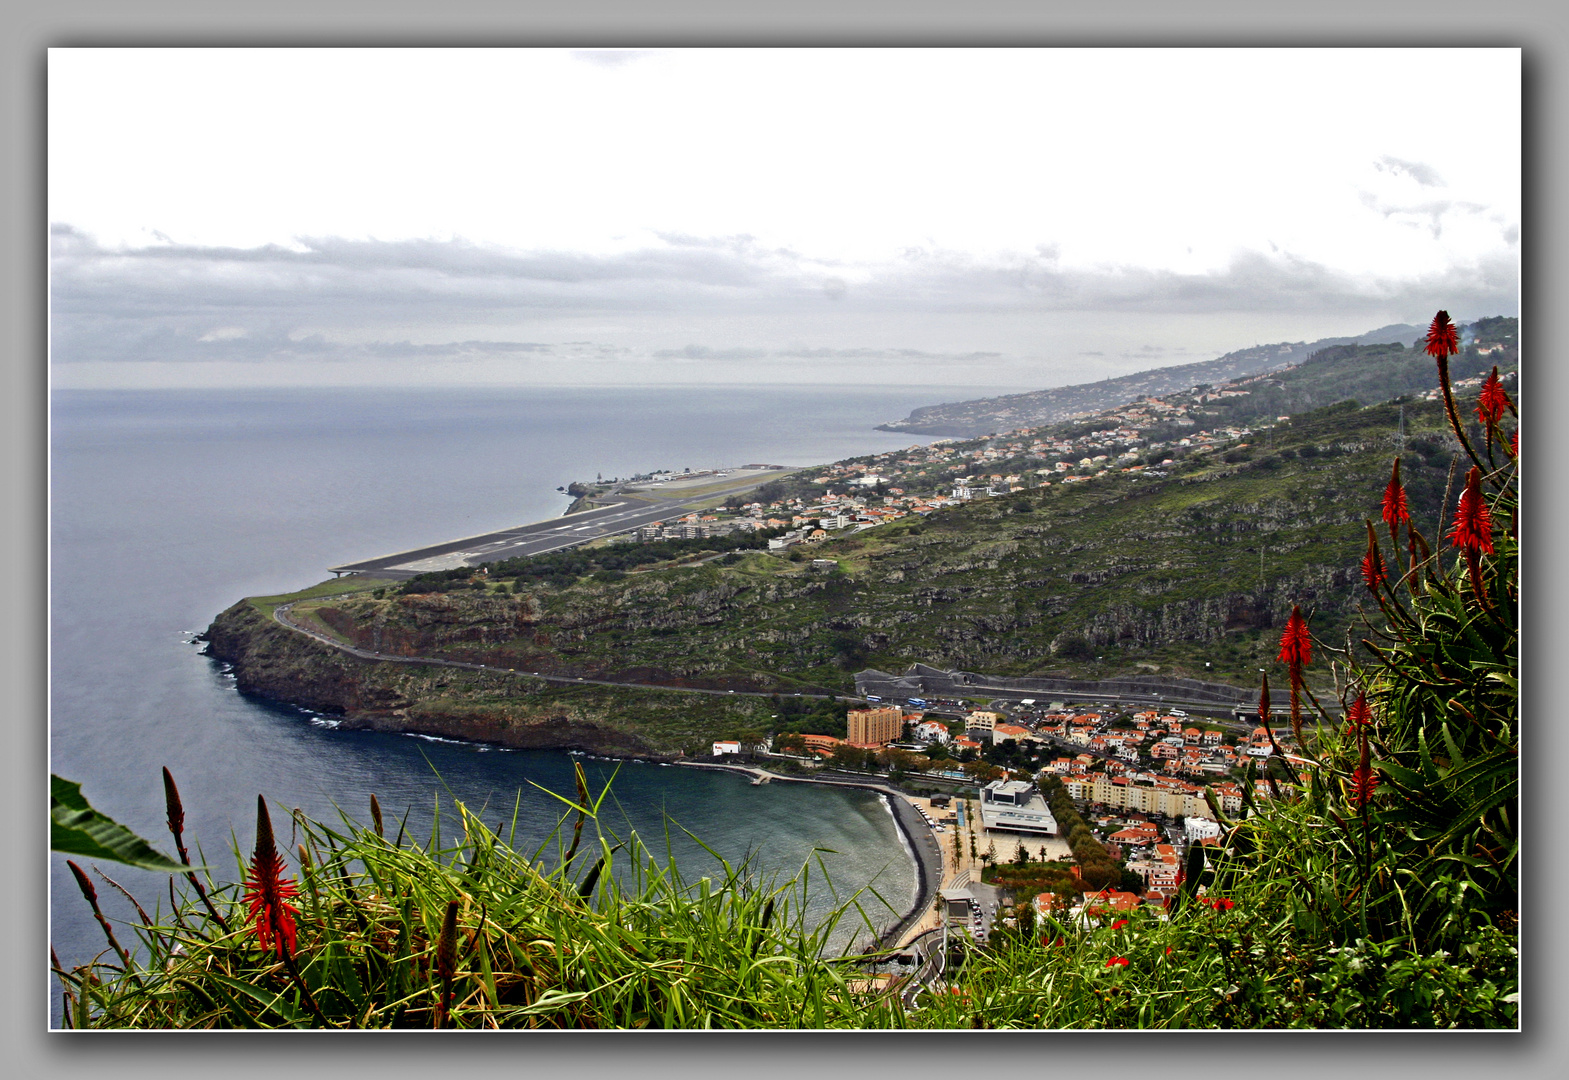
(167, 506)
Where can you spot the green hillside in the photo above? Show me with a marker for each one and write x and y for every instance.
(1128, 573)
(1170, 537)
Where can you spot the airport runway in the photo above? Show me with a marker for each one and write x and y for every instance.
(623, 515)
(624, 512)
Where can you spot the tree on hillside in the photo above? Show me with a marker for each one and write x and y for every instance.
(790, 742)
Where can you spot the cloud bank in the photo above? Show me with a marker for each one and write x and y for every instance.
(721, 301)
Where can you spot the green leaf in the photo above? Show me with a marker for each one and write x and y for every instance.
(275, 1002)
(75, 828)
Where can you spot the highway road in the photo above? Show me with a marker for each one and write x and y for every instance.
(283, 615)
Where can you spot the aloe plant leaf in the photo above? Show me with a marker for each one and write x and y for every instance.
(75, 828)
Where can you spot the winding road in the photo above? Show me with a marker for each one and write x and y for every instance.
(281, 615)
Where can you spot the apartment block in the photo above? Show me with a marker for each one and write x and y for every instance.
(873, 727)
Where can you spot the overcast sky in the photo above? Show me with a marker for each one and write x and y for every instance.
(974, 218)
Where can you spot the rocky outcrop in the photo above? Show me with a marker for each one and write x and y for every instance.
(275, 662)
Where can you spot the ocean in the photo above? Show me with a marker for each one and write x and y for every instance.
(168, 506)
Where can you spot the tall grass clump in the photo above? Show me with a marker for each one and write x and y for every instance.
(585, 931)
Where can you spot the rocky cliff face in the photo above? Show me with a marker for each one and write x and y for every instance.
(278, 663)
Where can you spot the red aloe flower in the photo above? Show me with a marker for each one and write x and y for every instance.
(1396, 508)
(1296, 645)
(1117, 961)
(1373, 569)
(267, 892)
(1296, 652)
(1442, 337)
(1359, 715)
(1363, 782)
(1492, 401)
(1374, 572)
(1473, 528)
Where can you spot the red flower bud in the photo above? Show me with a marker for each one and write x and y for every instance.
(1473, 527)
(1363, 783)
(1396, 509)
(267, 892)
(1296, 645)
(1492, 401)
(1372, 569)
(1442, 337)
(1358, 716)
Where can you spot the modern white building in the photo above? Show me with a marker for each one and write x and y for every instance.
(1198, 828)
(1016, 806)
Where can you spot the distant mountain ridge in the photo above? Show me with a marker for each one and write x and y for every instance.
(982, 416)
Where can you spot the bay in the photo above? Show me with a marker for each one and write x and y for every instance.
(167, 506)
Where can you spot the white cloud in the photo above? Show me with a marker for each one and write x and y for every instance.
(361, 206)
(1421, 172)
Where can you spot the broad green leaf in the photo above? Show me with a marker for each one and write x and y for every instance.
(75, 828)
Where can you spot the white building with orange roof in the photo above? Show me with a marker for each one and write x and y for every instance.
(1107, 902)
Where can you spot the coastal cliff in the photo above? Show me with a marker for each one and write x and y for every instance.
(498, 707)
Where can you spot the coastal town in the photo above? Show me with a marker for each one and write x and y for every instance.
(1020, 779)
(1143, 438)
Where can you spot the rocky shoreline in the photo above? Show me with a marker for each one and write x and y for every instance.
(414, 695)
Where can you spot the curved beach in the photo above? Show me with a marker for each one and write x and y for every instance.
(918, 840)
